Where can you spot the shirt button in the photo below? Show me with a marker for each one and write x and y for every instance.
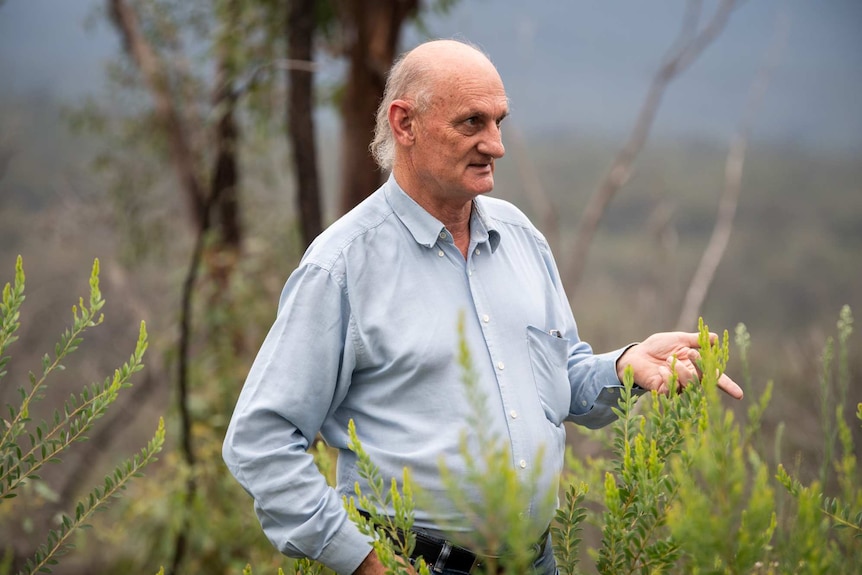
(477, 252)
(584, 402)
(442, 235)
(470, 273)
(486, 318)
(501, 366)
(514, 414)
(440, 253)
(523, 464)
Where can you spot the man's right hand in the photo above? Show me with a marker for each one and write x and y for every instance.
(371, 565)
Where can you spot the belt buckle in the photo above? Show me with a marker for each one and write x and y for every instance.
(440, 562)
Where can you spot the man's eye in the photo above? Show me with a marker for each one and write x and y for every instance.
(472, 121)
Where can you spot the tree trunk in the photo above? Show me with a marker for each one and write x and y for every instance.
(222, 256)
(372, 30)
(300, 118)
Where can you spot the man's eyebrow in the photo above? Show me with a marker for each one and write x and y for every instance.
(484, 115)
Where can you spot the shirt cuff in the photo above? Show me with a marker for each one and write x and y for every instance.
(346, 550)
(601, 412)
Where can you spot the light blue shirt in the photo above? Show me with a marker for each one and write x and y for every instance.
(367, 329)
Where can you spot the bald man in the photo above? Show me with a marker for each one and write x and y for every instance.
(367, 330)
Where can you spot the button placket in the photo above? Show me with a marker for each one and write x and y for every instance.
(514, 419)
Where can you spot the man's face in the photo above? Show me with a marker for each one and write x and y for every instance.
(458, 137)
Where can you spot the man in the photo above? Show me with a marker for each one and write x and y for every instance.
(367, 330)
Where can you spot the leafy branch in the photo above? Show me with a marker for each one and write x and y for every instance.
(391, 534)
(83, 319)
(59, 540)
(79, 416)
(13, 298)
(566, 532)
(841, 514)
(19, 464)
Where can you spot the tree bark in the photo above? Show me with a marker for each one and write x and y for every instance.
(372, 30)
(300, 117)
(222, 257)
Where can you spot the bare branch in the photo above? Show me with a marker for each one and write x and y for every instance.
(688, 45)
(536, 192)
(147, 60)
(720, 237)
(102, 437)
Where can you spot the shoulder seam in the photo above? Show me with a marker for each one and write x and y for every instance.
(339, 250)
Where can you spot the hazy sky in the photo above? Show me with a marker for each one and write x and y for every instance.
(578, 65)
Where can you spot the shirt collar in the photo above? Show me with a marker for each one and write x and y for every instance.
(482, 227)
(425, 228)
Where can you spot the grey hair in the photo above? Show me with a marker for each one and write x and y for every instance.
(406, 81)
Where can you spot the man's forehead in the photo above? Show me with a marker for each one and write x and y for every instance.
(473, 99)
(467, 86)
(486, 107)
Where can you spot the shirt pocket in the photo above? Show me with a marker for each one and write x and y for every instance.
(549, 360)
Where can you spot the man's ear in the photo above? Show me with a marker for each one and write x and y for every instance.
(402, 120)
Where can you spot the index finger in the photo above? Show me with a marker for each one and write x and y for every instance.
(692, 339)
(729, 386)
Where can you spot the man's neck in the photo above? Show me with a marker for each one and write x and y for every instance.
(456, 219)
(455, 216)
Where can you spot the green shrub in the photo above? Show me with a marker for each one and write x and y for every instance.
(684, 486)
(685, 489)
(26, 446)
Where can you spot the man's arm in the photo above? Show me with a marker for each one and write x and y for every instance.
(595, 386)
(293, 384)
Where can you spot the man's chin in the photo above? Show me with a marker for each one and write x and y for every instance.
(483, 185)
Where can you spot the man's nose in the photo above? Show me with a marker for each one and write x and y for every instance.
(492, 143)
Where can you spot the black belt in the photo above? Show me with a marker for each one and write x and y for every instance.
(441, 554)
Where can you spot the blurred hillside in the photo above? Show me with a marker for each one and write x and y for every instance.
(793, 260)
